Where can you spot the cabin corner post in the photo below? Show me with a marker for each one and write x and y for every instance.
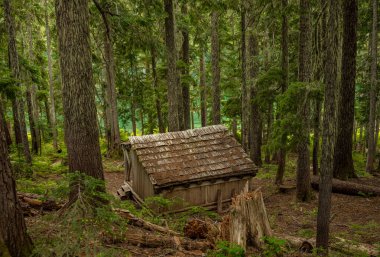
(127, 163)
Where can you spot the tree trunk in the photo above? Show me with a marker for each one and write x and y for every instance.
(111, 95)
(328, 138)
(16, 122)
(173, 87)
(284, 85)
(377, 131)
(141, 113)
(18, 102)
(3, 123)
(32, 102)
(255, 115)
(360, 140)
(354, 133)
(13, 65)
(24, 132)
(161, 125)
(373, 92)
(245, 100)
(133, 116)
(192, 120)
(268, 134)
(343, 163)
(51, 114)
(47, 113)
(320, 57)
(317, 121)
(185, 72)
(202, 85)
(234, 128)
(215, 55)
(32, 121)
(12, 225)
(303, 166)
(78, 91)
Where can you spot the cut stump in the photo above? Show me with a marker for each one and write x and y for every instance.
(248, 219)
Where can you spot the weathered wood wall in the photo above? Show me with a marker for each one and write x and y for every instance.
(203, 194)
(140, 180)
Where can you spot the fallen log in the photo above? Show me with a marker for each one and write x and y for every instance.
(349, 247)
(286, 188)
(135, 221)
(32, 203)
(151, 240)
(348, 188)
(303, 245)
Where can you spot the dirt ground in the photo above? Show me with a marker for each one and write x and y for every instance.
(114, 180)
(354, 218)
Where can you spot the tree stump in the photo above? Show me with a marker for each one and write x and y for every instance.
(248, 219)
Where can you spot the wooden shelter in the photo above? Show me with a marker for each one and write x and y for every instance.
(204, 167)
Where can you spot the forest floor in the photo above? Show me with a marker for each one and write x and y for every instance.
(356, 218)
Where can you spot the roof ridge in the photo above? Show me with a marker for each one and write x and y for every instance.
(178, 134)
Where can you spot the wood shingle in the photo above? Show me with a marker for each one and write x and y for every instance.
(195, 155)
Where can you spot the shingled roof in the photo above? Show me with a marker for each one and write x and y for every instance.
(190, 156)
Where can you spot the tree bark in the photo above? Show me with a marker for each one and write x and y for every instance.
(141, 113)
(215, 55)
(133, 116)
(343, 163)
(4, 124)
(173, 87)
(32, 102)
(284, 85)
(360, 140)
(111, 94)
(34, 133)
(317, 121)
(328, 138)
(373, 92)
(78, 91)
(185, 73)
(320, 57)
(268, 134)
(161, 124)
(12, 225)
(245, 124)
(303, 166)
(254, 115)
(51, 113)
(24, 132)
(17, 103)
(202, 85)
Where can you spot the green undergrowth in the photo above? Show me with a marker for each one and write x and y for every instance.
(272, 247)
(90, 227)
(86, 227)
(268, 171)
(226, 249)
(360, 161)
